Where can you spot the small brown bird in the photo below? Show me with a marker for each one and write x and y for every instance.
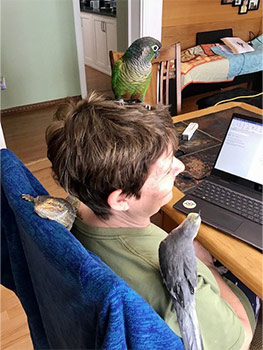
(52, 208)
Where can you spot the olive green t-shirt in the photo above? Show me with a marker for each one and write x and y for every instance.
(133, 255)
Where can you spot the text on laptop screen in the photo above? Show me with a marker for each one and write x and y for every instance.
(242, 150)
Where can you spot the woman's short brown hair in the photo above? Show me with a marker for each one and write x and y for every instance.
(97, 146)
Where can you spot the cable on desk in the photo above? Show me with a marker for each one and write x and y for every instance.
(187, 176)
(237, 97)
(179, 153)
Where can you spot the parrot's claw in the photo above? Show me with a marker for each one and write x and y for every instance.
(148, 107)
(121, 102)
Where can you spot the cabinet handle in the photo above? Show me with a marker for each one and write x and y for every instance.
(103, 27)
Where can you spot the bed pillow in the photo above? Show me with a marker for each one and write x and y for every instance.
(191, 53)
(207, 49)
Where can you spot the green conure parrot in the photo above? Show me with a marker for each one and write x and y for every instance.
(178, 268)
(131, 73)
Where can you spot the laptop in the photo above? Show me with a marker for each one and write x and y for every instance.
(230, 199)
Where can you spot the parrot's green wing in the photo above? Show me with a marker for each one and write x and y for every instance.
(116, 71)
(144, 87)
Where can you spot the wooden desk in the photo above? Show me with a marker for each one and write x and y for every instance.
(242, 259)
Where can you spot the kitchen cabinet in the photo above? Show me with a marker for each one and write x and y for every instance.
(99, 35)
(88, 39)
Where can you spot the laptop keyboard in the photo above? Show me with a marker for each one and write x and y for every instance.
(230, 200)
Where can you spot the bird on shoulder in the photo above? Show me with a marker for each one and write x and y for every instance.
(179, 271)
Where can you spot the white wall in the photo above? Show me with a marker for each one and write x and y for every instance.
(80, 48)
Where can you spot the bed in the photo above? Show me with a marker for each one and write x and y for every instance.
(205, 67)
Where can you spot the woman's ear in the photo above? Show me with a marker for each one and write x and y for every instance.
(118, 201)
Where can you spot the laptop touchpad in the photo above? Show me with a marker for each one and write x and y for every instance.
(219, 218)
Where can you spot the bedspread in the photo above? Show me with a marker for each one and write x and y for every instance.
(244, 63)
(201, 65)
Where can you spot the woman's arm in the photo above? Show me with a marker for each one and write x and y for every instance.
(225, 292)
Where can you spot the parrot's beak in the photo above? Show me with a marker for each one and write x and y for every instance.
(157, 54)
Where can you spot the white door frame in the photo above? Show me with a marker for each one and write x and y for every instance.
(140, 19)
(80, 50)
(2, 138)
(150, 10)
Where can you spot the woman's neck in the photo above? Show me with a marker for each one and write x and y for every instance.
(116, 220)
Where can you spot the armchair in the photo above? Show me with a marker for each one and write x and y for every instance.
(71, 298)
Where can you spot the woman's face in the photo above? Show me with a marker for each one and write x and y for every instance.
(157, 189)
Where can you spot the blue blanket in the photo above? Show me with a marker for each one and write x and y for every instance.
(244, 63)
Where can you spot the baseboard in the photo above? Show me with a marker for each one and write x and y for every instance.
(38, 105)
(39, 164)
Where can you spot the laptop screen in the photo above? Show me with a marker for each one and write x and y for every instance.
(242, 150)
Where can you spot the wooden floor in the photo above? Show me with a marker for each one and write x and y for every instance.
(25, 136)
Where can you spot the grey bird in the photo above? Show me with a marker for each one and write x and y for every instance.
(179, 271)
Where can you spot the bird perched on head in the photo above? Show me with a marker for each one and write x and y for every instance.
(131, 73)
(179, 271)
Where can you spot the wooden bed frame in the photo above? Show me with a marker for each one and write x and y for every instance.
(254, 81)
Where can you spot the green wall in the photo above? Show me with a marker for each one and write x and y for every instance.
(38, 51)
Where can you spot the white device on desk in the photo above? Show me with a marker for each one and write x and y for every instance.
(189, 131)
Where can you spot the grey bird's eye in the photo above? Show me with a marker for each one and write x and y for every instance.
(155, 47)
